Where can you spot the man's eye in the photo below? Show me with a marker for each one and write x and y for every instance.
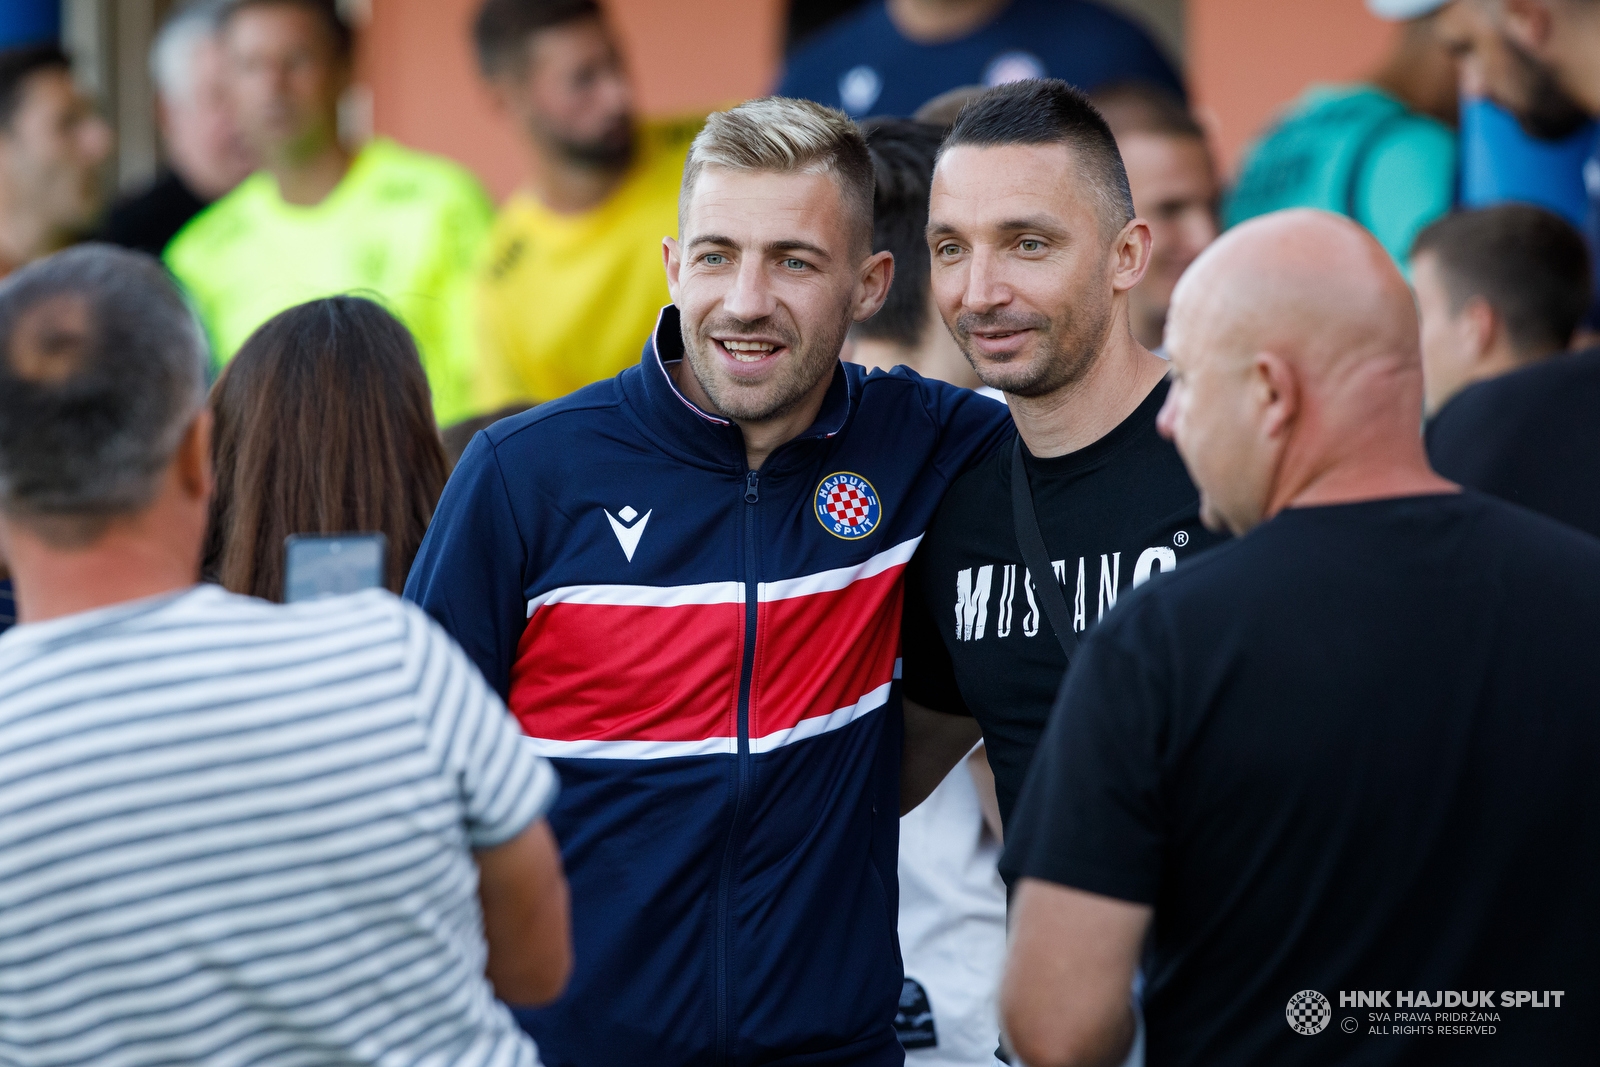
(949, 250)
(1028, 244)
(795, 264)
(714, 259)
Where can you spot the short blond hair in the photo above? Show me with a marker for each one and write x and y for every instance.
(783, 136)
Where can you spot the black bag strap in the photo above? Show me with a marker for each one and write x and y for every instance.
(1036, 557)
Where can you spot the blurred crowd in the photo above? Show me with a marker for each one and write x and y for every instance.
(371, 329)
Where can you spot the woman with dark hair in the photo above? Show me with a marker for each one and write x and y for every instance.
(324, 425)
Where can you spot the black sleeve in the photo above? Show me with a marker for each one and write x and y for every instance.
(928, 675)
(1090, 811)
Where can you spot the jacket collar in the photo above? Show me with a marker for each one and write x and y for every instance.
(712, 438)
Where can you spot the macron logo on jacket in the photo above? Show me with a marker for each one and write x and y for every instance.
(627, 536)
(719, 699)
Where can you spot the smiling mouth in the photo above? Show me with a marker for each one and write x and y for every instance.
(748, 351)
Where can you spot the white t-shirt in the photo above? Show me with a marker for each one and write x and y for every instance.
(952, 924)
(237, 832)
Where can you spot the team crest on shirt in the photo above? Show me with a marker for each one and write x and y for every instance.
(847, 505)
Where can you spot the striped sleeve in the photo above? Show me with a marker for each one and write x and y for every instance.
(503, 784)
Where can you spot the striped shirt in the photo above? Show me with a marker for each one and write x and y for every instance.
(234, 832)
(8, 606)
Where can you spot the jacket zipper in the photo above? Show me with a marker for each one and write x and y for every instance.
(741, 777)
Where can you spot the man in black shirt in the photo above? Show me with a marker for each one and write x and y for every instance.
(1500, 290)
(206, 154)
(1035, 247)
(1341, 769)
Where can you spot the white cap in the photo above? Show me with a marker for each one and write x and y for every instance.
(1401, 10)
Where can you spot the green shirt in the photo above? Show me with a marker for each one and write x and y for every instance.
(1357, 151)
(401, 226)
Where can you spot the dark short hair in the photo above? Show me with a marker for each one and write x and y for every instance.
(502, 28)
(902, 152)
(1530, 265)
(1041, 111)
(339, 33)
(1141, 107)
(324, 425)
(17, 65)
(102, 368)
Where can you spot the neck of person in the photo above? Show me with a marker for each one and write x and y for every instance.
(133, 559)
(762, 437)
(1081, 412)
(1368, 448)
(1419, 74)
(939, 21)
(308, 173)
(1147, 320)
(24, 237)
(569, 187)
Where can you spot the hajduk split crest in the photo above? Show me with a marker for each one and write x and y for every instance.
(847, 505)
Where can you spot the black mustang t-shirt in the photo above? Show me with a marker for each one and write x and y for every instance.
(1350, 760)
(975, 639)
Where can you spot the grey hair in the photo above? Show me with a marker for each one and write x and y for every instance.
(172, 52)
(783, 136)
(102, 371)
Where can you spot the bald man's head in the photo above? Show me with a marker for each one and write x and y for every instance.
(1294, 348)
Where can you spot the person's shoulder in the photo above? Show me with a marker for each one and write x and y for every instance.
(1528, 538)
(398, 171)
(849, 39)
(217, 227)
(902, 385)
(552, 423)
(1554, 375)
(1527, 392)
(1412, 135)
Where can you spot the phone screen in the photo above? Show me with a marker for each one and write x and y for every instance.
(324, 565)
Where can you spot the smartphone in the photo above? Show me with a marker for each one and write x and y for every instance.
(324, 565)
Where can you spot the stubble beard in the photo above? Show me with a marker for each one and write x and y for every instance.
(1548, 111)
(1065, 351)
(805, 364)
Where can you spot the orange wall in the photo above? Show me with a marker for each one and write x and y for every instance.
(685, 54)
(1246, 59)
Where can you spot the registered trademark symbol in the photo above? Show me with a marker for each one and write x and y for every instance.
(1180, 538)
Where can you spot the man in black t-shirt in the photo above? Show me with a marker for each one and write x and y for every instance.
(1499, 290)
(1340, 770)
(1035, 247)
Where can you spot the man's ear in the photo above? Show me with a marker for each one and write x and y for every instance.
(1277, 391)
(1479, 326)
(670, 253)
(1130, 255)
(872, 285)
(193, 459)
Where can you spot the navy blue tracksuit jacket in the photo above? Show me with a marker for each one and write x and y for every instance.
(708, 654)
